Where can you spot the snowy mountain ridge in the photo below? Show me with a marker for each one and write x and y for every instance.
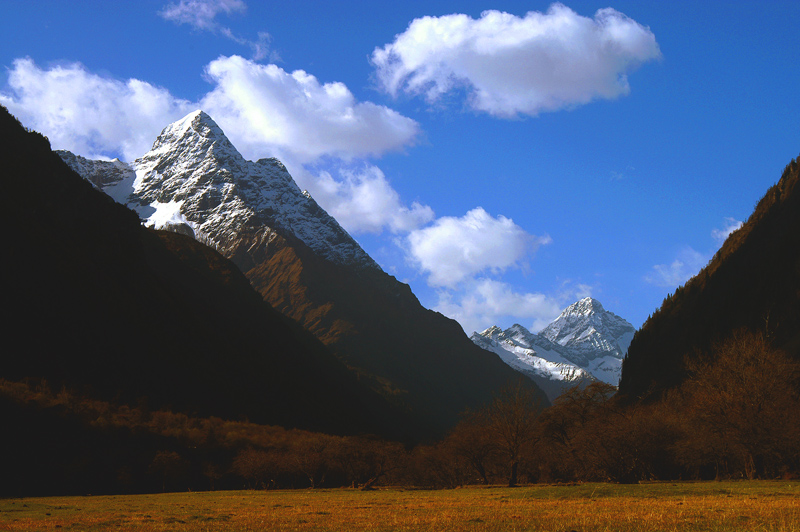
(194, 181)
(586, 342)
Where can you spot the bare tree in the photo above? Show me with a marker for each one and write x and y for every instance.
(512, 424)
(563, 426)
(472, 440)
(744, 404)
(257, 466)
(169, 466)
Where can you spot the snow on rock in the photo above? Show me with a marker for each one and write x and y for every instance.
(194, 178)
(528, 359)
(585, 337)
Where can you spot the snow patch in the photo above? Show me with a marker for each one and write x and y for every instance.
(166, 214)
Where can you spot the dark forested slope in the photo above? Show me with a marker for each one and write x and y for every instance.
(93, 301)
(753, 283)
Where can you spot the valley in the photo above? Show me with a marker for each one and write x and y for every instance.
(227, 308)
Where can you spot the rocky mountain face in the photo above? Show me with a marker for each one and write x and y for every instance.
(752, 283)
(193, 180)
(585, 343)
(306, 266)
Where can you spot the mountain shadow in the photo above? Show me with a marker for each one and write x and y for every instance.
(752, 283)
(97, 303)
(308, 267)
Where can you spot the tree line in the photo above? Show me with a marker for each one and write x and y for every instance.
(736, 416)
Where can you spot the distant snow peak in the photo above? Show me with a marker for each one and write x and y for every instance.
(195, 180)
(585, 337)
(588, 329)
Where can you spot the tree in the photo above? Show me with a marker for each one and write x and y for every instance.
(563, 427)
(472, 441)
(744, 405)
(512, 425)
(257, 466)
(367, 460)
(169, 466)
(312, 455)
(212, 472)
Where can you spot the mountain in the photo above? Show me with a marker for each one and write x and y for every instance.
(585, 343)
(753, 283)
(95, 303)
(538, 359)
(596, 339)
(194, 181)
(306, 266)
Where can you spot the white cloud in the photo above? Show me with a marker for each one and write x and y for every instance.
(265, 111)
(486, 302)
(453, 250)
(685, 266)
(720, 235)
(363, 201)
(201, 14)
(514, 65)
(89, 114)
(269, 110)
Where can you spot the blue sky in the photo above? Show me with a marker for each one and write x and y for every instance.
(503, 158)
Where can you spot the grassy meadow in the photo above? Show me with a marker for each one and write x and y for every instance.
(709, 506)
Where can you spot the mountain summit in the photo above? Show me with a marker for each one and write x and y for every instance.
(585, 343)
(591, 333)
(305, 265)
(194, 181)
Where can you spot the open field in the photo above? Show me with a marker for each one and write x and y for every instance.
(713, 506)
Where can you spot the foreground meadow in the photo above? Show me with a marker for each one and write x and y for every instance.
(717, 506)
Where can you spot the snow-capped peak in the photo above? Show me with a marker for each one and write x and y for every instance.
(588, 327)
(196, 123)
(584, 335)
(193, 177)
(585, 307)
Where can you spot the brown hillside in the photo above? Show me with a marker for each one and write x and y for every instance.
(418, 359)
(753, 283)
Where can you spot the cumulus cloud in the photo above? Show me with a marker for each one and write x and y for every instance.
(363, 201)
(685, 266)
(90, 114)
(720, 235)
(514, 65)
(270, 108)
(452, 250)
(265, 111)
(486, 302)
(201, 14)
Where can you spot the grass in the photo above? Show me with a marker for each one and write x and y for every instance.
(717, 506)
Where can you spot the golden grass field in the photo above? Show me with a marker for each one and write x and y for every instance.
(708, 506)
